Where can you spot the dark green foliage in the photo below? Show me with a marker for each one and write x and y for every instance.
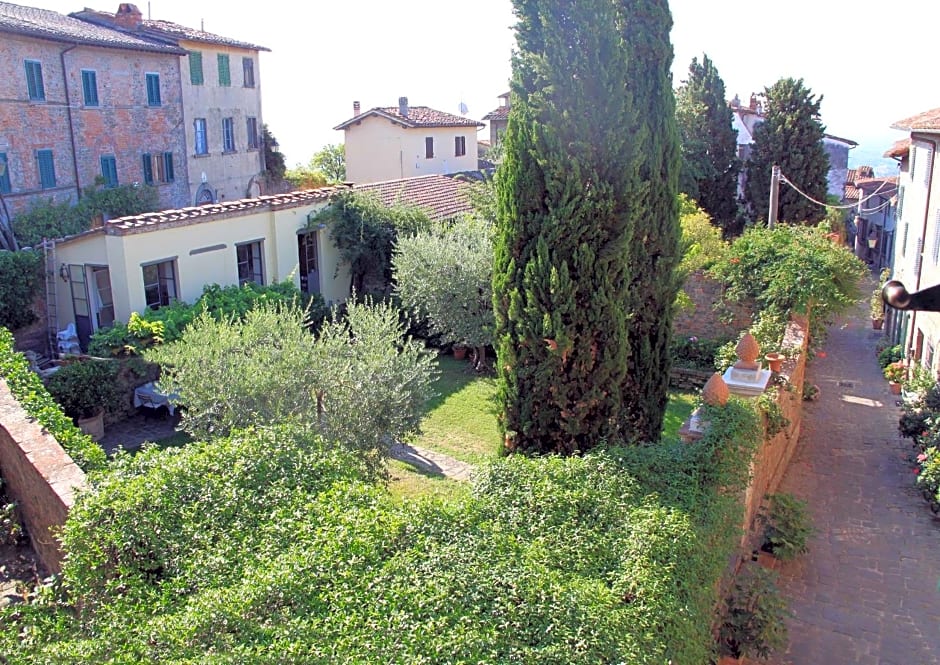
(791, 136)
(20, 283)
(364, 232)
(168, 323)
(84, 387)
(709, 145)
(48, 220)
(654, 253)
(890, 354)
(579, 235)
(265, 547)
(35, 399)
(787, 526)
(274, 166)
(755, 616)
(695, 353)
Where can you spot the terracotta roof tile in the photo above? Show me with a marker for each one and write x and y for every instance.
(442, 197)
(928, 121)
(418, 116)
(45, 24)
(502, 113)
(899, 149)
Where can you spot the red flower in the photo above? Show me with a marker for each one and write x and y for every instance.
(821, 354)
(922, 457)
(916, 471)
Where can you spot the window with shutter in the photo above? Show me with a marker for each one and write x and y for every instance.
(168, 166)
(46, 166)
(429, 147)
(90, 87)
(928, 167)
(195, 68)
(5, 185)
(109, 170)
(904, 239)
(248, 71)
(919, 258)
(251, 126)
(460, 146)
(225, 75)
(147, 166)
(34, 86)
(936, 236)
(228, 135)
(153, 89)
(202, 144)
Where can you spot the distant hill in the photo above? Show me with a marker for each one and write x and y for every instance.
(869, 153)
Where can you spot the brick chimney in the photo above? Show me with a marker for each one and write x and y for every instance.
(753, 103)
(357, 109)
(128, 16)
(403, 106)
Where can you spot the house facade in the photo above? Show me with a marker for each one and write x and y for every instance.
(389, 143)
(150, 260)
(874, 215)
(221, 104)
(745, 120)
(917, 250)
(82, 103)
(498, 119)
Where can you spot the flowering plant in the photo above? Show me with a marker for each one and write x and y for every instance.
(895, 372)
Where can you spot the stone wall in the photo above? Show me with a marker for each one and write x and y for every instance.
(711, 315)
(771, 461)
(39, 476)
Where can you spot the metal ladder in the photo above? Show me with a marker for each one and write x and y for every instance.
(52, 323)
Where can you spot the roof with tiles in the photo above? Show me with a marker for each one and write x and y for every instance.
(927, 121)
(418, 116)
(899, 149)
(46, 24)
(153, 221)
(165, 30)
(442, 197)
(502, 113)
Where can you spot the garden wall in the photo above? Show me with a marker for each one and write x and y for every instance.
(39, 475)
(703, 319)
(772, 459)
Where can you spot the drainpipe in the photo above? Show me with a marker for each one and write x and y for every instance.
(909, 343)
(68, 110)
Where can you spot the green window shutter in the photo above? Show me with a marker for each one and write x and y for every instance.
(5, 186)
(153, 89)
(168, 166)
(90, 87)
(46, 168)
(195, 68)
(225, 75)
(147, 167)
(109, 170)
(34, 84)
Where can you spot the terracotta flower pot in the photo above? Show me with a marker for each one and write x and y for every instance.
(895, 387)
(93, 426)
(877, 324)
(460, 352)
(775, 361)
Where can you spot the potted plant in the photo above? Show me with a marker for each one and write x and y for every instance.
(753, 623)
(877, 310)
(786, 527)
(895, 373)
(775, 361)
(86, 390)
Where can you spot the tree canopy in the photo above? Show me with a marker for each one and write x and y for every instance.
(586, 219)
(790, 136)
(708, 144)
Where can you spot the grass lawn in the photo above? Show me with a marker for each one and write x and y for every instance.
(461, 420)
(406, 482)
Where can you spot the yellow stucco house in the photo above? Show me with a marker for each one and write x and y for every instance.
(389, 143)
(148, 260)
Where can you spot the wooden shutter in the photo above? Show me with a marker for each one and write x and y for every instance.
(168, 166)
(46, 168)
(225, 75)
(147, 168)
(195, 68)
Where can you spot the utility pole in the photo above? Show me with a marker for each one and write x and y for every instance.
(774, 196)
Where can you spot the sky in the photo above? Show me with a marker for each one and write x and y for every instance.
(868, 60)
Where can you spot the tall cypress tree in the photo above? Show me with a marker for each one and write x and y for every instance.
(565, 191)
(709, 145)
(569, 252)
(790, 136)
(654, 252)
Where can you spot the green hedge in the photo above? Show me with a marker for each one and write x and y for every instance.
(36, 401)
(264, 547)
(20, 283)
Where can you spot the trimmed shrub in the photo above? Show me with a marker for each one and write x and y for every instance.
(20, 282)
(36, 401)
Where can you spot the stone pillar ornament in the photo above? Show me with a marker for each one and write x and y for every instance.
(748, 352)
(715, 392)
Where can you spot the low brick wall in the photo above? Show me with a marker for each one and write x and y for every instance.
(39, 475)
(771, 461)
(682, 378)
